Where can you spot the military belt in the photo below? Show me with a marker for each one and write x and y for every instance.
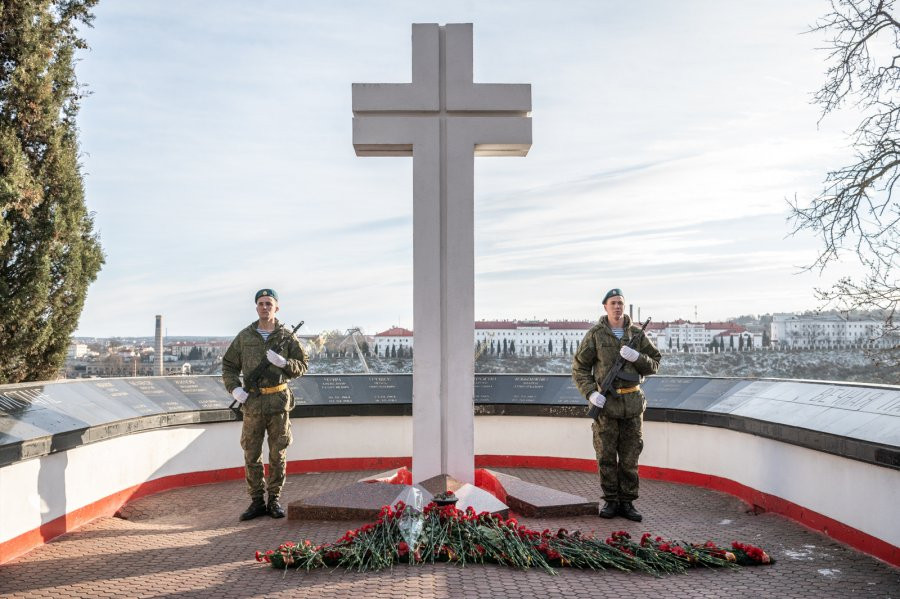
(625, 390)
(275, 389)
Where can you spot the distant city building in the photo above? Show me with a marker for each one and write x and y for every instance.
(698, 337)
(530, 337)
(76, 350)
(396, 339)
(492, 337)
(824, 331)
(182, 349)
(562, 337)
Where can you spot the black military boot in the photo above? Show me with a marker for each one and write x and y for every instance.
(610, 510)
(257, 508)
(626, 510)
(274, 508)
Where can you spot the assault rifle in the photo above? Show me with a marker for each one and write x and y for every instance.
(607, 385)
(251, 381)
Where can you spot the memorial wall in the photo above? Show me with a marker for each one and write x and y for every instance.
(857, 421)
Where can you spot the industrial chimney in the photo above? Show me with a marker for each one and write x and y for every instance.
(158, 357)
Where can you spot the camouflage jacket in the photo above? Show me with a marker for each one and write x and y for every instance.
(247, 350)
(596, 355)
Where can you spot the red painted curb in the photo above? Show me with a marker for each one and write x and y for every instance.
(107, 507)
(830, 527)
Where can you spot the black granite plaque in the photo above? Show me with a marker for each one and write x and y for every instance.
(711, 391)
(103, 400)
(734, 400)
(149, 395)
(388, 389)
(200, 392)
(526, 389)
(669, 391)
(889, 405)
(833, 396)
(485, 387)
(20, 398)
(352, 389)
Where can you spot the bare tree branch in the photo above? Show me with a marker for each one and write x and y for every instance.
(857, 211)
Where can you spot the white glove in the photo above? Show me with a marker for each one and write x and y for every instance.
(239, 395)
(629, 354)
(276, 359)
(597, 399)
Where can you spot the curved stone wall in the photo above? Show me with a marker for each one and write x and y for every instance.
(73, 451)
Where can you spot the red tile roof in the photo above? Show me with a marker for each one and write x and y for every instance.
(395, 332)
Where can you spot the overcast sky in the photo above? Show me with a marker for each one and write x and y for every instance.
(668, 136)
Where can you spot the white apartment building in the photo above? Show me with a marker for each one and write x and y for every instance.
(395, 337)
(530, 337)
(76, 350)
(827, 330)
(492, 337)
(697, 337)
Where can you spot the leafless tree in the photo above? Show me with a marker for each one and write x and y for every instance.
(857, 211)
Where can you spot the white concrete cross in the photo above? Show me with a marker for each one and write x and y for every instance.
(442, 119)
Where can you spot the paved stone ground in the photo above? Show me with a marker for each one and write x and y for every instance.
(189, 543)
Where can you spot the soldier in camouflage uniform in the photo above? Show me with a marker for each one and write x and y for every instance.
(617, 430)
(266, 409)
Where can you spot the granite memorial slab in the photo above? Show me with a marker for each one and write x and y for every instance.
(536, 501)
(740, 397)
(357, 501)
(838, 422)
(888, 405)
(669, 392)
(878, 430)
(352, 389)
(782, 412)
(526, 389)
(708, 393)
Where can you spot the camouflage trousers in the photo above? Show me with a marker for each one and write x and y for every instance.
(278, 428)
(618, 443)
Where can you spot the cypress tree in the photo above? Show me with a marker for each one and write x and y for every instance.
(49, 252)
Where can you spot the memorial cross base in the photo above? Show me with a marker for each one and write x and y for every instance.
(493, 492)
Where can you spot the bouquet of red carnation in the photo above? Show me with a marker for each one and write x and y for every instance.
(449, 534)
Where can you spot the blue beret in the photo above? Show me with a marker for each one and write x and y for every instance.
(611, 293)
(266, 293)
